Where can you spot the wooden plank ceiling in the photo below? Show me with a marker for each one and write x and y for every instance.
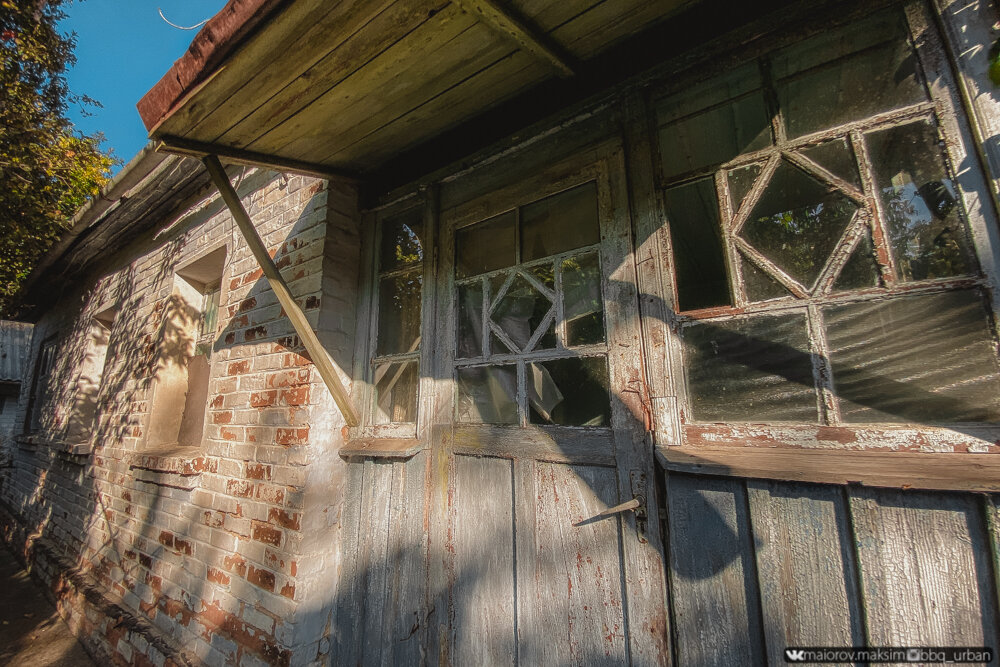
(347, 85)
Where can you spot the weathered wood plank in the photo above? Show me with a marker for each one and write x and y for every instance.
(522, 33)
(713, 589)
(412, 37)
(805, 566)
(496, 81)
(376, 514)
(386, 448)
(457, 51)
(570, 576)
(405, 610)
(556, 444)
(245, 81)
(631, 419)
(956, 471)
(925, 571)
(350, 600)
(652, 259)
(370, 37)
(483, 592)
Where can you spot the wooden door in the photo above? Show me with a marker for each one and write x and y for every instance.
(540, 407)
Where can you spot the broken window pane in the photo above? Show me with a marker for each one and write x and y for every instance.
(860, 271)
(920, 204)
(396, 392)
(924, 359)
(696, 237)
(756, 369)
(399, 314)
(836, 157)
(846, 75)
(485, 246)
(583, 305)
(470, 320)
(402, 241)
(487, 394)
(797, 222)
(758, 285)
(559, 223)
(520, 311)
(572, 392)
(741, 181)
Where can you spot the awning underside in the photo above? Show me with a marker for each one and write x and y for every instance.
(346, 86)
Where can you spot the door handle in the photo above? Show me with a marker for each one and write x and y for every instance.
(637, 504)
(633, 504)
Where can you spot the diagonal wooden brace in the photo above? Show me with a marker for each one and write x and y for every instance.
(324, 364)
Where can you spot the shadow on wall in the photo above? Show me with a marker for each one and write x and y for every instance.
(132, 527)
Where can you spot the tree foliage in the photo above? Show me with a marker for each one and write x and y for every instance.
(47, 170)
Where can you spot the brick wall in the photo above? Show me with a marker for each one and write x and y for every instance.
(206, 551)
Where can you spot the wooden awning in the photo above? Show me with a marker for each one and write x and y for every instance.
(339, 88)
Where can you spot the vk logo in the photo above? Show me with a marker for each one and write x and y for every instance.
(795, 655)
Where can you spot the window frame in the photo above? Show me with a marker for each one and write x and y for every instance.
(468, 204)
(977, 213)
(366, 354)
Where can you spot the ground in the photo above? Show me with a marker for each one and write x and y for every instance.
(31, 632)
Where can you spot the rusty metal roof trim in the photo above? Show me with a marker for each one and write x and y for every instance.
(213, 43)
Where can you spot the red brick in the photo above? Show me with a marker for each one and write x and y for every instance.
(265, 533)
(216, 402)
(255, 333)
(229, 434)
(222, 417)
(252, 276)
(167, 539)
(263, 399)
(238, 367)
(270, 494)
(261, 578)
(297, 396)
(218, 576)
(292, 436)
(258, 471)
(301, 359)
(239, 488)
(182, 546)
(235, 564)
(288, 590)
(283, 518)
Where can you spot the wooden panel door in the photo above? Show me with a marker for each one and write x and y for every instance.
(539, 404)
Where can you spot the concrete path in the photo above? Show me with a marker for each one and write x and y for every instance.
(31, 632)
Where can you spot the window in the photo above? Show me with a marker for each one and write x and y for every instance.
(531, 345)
(395, 359)
(44, 364)
(187, 339)
(824, 270)
(83, 414)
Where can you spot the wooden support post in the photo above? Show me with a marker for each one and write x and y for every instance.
(526, 36)
(324, 364)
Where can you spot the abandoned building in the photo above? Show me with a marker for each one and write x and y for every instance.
(542, 332)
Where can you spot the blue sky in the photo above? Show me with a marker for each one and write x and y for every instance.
(123, 48)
